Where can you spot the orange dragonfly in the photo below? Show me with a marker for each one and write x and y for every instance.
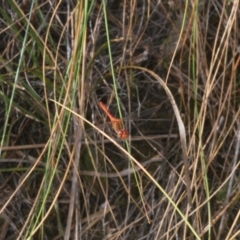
(117, 123)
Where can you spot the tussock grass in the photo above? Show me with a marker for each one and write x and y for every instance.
(174, 65)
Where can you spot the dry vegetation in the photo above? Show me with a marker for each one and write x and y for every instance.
(173, 64)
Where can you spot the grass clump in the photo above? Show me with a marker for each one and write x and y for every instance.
(173, 65)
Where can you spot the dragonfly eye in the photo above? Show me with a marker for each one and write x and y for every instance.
(123, 134)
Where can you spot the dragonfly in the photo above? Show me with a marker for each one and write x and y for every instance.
(117, 123)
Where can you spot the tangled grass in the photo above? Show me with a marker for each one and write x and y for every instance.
(174, 64)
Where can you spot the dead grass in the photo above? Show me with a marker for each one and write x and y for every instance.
(176, 177)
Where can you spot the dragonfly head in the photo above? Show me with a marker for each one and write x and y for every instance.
(123, 134)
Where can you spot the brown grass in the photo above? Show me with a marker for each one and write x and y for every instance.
(174, 65)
